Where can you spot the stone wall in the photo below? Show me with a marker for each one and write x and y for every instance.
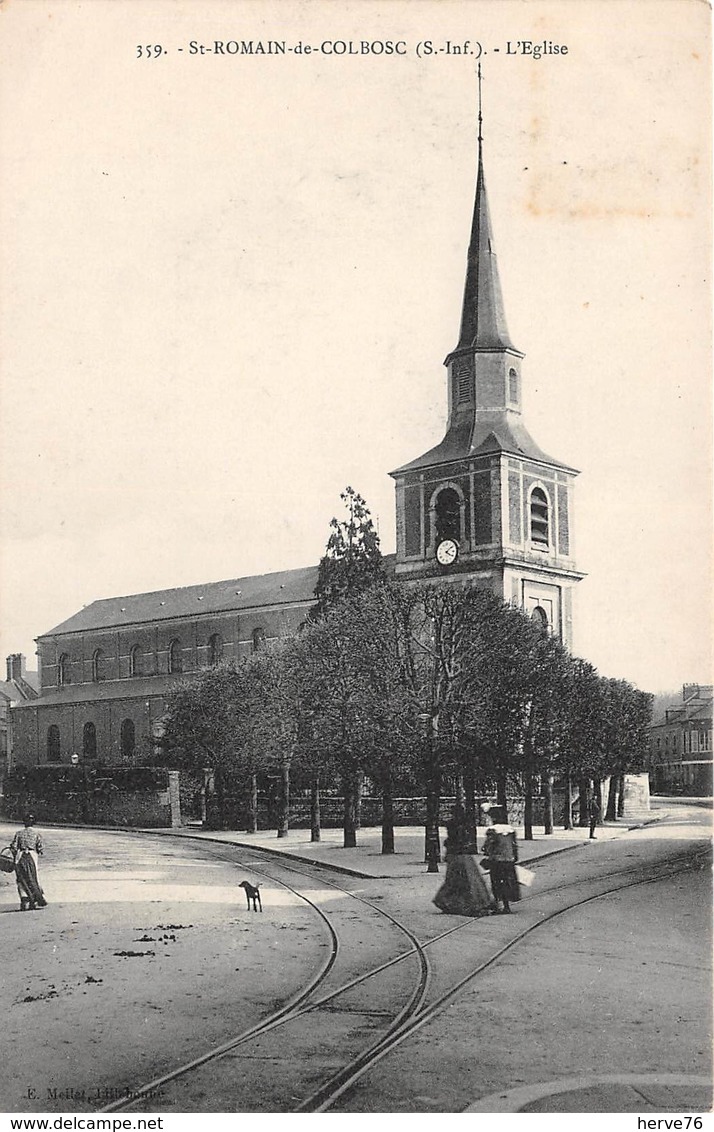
(139, 797)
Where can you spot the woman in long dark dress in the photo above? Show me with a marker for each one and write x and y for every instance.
(27, 848)
(464, 892)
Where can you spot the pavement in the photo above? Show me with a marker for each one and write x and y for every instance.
(367, 861)
(624, 1092)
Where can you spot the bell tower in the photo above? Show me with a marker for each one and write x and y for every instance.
(487, 503)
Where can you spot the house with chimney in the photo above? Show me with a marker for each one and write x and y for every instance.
(20, 686)
(681, 745)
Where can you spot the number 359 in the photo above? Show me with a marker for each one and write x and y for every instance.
(149, 51)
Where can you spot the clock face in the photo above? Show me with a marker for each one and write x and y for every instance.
(446, 552)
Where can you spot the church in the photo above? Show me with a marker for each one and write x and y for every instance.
(486, 504)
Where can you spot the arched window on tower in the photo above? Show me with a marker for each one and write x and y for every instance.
(89, 741)
(135, 661)
(539, 519)
(63, 670)
(215, 648)
(53, 744)
(98, 669)
(128, 738)
(175, 656)
(540, 617)
(448, 515)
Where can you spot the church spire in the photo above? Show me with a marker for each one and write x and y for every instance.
(483, 320)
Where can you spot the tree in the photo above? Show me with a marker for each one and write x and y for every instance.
(338, 722)
(352, 561)
(272, 722)
(207, 730)
(201, 719)
(371, 628)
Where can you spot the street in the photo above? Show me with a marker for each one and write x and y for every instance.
(148, 959)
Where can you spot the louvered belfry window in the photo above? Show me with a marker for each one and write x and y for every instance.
(462, 380)
(512, 386)
(539, 518)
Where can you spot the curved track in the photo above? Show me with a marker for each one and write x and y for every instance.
(324, 1098)
(302, 1003)
(407, 1010)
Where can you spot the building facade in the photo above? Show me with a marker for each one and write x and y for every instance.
(105, 673)
(485, 505)
(681, 745)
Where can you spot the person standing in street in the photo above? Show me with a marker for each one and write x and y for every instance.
(594, 815)
(464, 892)
(501, 854)
(27, 848)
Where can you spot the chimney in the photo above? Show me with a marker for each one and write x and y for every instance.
(16, 666)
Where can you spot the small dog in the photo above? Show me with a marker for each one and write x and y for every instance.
(252, 893)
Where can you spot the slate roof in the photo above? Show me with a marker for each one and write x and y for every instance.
(26, 689)
(500, 432)
(483, 319)
(134, 689)
(286, 587)
(236, 595)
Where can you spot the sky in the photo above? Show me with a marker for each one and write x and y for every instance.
(229, 283)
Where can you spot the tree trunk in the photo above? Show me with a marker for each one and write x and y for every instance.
(253, 804)
(584, 788)
(548, 793)
(213, 808)
(611, 811)
(597, 791)
(528, 807)
(621, 796)
(502, 793)
(387, 816)
(528, 792)
(349, 825)
(459, 791)
(470, 807)
(315, 808)
(568, 805)
(284, 801)
(359, 786)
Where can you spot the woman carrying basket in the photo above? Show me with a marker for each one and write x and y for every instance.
(27, 848)
(501, 854)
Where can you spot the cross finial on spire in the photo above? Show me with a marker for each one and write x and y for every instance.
(480, 119)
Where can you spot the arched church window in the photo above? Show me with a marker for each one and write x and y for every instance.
(448, 515)
(63, 670)
(98, 667)
(539, 518)
(89, 741)
(215, 648)
(135, 661)
(258, 639)
(53, 743)
(128, 738)
(512, 385)
(175, 656)
(540, 617)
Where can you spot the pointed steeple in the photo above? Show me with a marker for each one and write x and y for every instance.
(483, 319)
